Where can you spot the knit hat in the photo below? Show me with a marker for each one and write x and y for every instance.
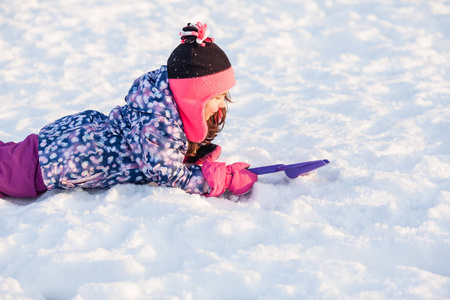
(198, 71)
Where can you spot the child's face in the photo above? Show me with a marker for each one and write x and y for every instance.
(214, 105)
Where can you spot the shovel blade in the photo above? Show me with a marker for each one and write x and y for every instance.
(299, 169)
(291, 171)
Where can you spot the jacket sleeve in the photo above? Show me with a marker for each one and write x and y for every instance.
(158, 147)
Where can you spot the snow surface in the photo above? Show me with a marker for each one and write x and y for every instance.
(365, 84)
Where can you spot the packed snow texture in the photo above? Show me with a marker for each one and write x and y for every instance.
(365, 84)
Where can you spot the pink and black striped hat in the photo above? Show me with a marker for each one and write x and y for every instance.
(198, 71)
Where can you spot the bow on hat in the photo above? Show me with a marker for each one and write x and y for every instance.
(199, 31)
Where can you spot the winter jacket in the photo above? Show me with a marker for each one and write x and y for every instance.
(141, 142)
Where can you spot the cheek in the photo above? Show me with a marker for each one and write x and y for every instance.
(208, 107)
(209, 110)
(212, 106)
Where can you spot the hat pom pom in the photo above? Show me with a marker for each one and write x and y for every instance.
(196, 33)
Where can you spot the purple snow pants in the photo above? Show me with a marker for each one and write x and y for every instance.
(20, 174)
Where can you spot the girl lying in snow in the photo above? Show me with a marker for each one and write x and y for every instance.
(161, 136)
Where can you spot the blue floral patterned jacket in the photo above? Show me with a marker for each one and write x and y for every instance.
(140, 142)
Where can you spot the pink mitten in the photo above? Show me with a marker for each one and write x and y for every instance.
(236, 178)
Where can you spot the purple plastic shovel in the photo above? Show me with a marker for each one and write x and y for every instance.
(291, 171)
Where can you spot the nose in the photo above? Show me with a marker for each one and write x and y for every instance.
(222, 104)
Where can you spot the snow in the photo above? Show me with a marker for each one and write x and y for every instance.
(365, 84)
